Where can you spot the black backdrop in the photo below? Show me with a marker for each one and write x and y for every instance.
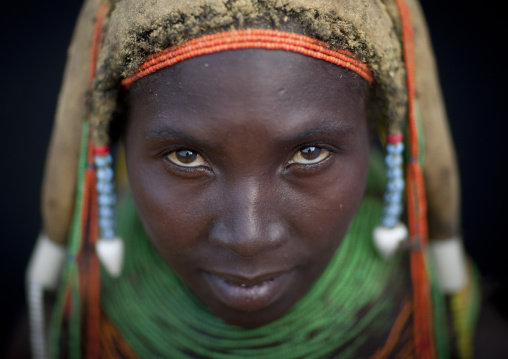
(469, 42)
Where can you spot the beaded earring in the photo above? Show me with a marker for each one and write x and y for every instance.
(391, 232)
(110, 249)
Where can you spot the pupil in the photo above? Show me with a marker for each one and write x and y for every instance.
(186, 156)
(310, 153)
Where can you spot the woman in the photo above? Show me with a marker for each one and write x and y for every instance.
(257, 201)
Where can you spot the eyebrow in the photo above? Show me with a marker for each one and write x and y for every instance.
(165, 133)
(323, 129)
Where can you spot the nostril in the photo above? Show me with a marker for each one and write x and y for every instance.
(248, 242)
(277, 233)
(219, 234)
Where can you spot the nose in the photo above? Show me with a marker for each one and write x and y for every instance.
(250, 221)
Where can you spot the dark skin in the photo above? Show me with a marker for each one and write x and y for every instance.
(247, 168)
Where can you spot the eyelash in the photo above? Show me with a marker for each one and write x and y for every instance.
(185, 169)
(311, 166)
(207, 167)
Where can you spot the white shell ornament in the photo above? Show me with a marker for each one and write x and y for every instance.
(110, 253)
(387, 240)
(450, 262)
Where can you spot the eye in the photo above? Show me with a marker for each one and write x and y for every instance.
(310, 155)
(186, 158)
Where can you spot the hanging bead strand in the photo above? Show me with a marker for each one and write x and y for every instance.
(105, 194)
(109, 248)
(395, 185)
(391, 232)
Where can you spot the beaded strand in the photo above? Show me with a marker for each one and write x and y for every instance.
(109, 248)
(395, 185)
(105, 193)
(249, 39)
(391, 232)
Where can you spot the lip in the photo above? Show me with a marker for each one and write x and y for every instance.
(248, 293)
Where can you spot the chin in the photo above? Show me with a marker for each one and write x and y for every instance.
(252, 319)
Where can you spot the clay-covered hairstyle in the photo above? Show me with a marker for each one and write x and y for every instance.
(135, 29)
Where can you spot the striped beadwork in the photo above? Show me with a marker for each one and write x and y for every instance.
(250, 39)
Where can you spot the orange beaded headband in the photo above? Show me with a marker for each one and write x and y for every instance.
(249, 39)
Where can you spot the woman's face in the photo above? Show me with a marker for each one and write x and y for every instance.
(247, 168)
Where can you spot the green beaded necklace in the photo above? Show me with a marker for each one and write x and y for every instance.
(159, 317)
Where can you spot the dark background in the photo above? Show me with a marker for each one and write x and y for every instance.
(469, 40)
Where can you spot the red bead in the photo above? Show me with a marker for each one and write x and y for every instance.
(394, 138)
(101, 150)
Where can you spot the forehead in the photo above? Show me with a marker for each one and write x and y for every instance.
(232, 87)
(256, 67)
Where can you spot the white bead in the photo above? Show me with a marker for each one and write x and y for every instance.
(110, 253)
(450, 262)
(387, 240)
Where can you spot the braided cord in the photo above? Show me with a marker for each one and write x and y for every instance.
(69, 297)
(465, 307)
(417, 206)
(69, 290)
(440, 318)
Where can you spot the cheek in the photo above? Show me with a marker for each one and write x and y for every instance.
(173, 211)
(326, 207)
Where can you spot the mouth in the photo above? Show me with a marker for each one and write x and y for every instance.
(248, 294)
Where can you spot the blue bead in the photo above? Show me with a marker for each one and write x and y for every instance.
(395, 185)
(395, 148)
(389, 222)
(394, 172)
(103, 160)
(106, 212)
(105, 187)
(104, 174)
(393, 210)
(106, 200)
(393, 197)
(393, 160)
(108, 233)
(106, 223)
